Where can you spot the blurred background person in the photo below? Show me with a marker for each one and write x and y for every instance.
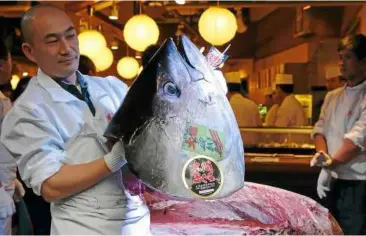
(245, 110)
(7, 163)
(38, 208)
(272, 106)
(290, 112)
(86, 66)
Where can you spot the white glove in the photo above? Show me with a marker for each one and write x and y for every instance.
(115, 159)
(7, 207)
(324, 181)
(321, 159)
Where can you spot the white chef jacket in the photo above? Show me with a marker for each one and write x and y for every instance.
(343, 115)
(290, 113)
(49, 127)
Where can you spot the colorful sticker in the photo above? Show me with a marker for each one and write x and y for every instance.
(202, 176)
(201, 140)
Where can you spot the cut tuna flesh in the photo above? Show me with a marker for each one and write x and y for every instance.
(255, 209)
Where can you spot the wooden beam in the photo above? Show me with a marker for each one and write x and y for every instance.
(247, 4)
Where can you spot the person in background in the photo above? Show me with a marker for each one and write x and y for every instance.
(333, 78)
(272, 107)
(86, 66)
(55, 132)
(245, 110)
(38, 208)
(290, 112)
(7, 90)
(7, 162)
(340, 140)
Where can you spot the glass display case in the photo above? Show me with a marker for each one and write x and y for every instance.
(267, 140)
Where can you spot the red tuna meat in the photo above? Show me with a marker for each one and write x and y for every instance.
(255, 209)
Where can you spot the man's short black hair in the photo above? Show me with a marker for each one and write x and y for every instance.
(356, 43)
(4, 51)
(86, 65)
(148, 54)
(287, 88)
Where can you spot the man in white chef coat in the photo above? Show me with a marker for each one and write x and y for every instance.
(340, 140)
(290, 112)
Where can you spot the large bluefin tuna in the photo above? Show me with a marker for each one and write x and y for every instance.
(181, 136)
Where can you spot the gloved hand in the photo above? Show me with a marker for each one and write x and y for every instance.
(324, 182)
(7, 207)
(115, 159)
(321, 159)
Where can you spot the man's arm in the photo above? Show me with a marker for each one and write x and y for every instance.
(38, 148)
(320, 140)
(345, 153)
(71, 179)
(320, 143)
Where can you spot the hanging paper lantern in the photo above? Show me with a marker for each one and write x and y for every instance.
(91, 43)
(140, 32)
(128, 67)
(104, 59)
(217, 25)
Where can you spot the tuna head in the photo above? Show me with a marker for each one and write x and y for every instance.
(181, 136)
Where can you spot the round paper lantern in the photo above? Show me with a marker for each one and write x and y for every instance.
(104, 59)
(140, 32)
(217, 25)
(91, 43)
(128, 67)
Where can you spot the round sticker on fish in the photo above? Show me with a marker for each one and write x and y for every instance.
(202, 176)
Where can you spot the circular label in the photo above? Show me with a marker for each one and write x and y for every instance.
(202, 176)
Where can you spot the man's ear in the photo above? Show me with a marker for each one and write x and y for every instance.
(28, 52)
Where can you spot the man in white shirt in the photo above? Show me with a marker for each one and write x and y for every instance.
(290, 112)
(245, 110)
(55, 132)
(340, 140)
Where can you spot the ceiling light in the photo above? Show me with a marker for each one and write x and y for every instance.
(114, 12)
(25, 74)
(138, 55)
(306, 7)
(114, 45)
(180, 2)
(217, 25)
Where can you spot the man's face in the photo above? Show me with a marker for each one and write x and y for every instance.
(350, 65)
(333, 83)
(5, 70)
(54, 44)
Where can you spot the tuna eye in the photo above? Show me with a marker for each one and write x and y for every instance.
(170, 89)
